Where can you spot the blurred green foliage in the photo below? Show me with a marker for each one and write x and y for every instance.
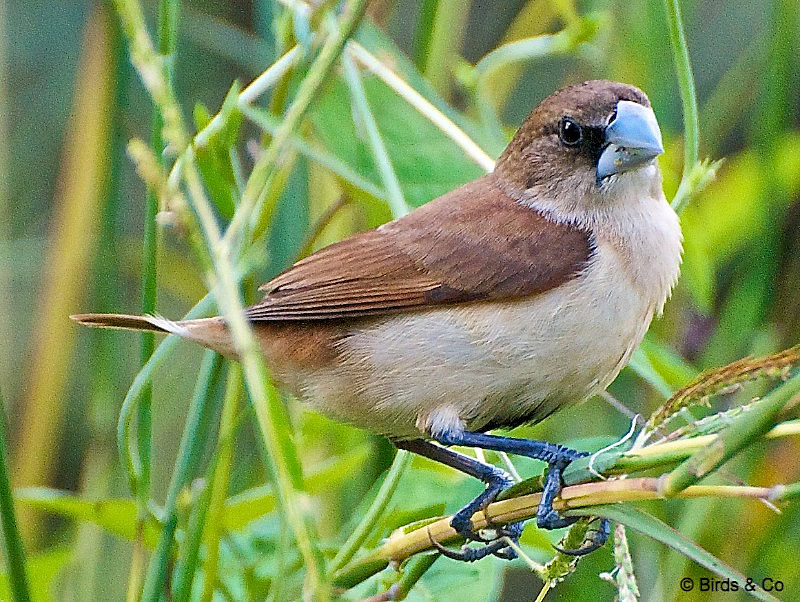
(738, 294)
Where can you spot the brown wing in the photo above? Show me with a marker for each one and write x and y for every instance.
(472, 244)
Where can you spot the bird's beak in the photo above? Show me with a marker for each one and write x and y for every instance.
(632, 140)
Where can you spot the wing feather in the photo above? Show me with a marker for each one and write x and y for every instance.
(472, 244)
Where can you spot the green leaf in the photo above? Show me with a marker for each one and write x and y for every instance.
(117, 516)
(642, 365)
(427, 162)
(652, 527)
(43, 569)
(214, 154)
(253, 503)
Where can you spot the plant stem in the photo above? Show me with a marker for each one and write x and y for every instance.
(187, 457)
(422, 38)
(199, 528)
(410, 540)
(421, 104)
(743, 430)
(270, 412)
(397, 202)
(444, 45)
(691, 126)
(377, 508)
(218, 485)
(264, 168)
(15, 552)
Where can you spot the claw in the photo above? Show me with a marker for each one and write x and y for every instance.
(596, 541)
(497, 546)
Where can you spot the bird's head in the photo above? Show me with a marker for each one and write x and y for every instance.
(585, 142)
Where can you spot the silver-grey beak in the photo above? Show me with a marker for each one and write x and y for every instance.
(633, 139)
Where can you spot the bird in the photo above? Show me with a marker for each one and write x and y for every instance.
(515, 295)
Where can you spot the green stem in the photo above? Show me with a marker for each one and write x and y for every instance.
(264, 168)
(269, 409)
(203, 308)
(449, 27)
(397, 203)
(742, 431)
(528, 49)
(15, 553)
(376, 509)
(218, 486)
(167, 36)
(691, 127)
(198, 523)
(412, 572)
(188, 452)
(424, 34)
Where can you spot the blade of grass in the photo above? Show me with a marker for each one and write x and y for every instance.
(203, 308)
(270, 124)
(424, 32)
(264, 168)
(391, 184)
(188, 453)
(218, 488)
(527, 49)
(534, 18)
(421, 104)
(249, 94)
(167, 43)
(449, 28)
(691, 127)
(372, 515)
(652, 527)
(269, 409)
(15, 553)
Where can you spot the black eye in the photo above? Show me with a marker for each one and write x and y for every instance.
(569, 132)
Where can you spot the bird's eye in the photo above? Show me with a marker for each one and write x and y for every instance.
(569, 132)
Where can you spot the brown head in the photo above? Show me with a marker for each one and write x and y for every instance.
(581, 139)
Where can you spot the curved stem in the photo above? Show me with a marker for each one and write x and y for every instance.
(406, 542)
(683, 69)
(376, 509)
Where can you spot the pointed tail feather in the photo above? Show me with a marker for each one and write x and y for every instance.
(125, 322)
(209, 332)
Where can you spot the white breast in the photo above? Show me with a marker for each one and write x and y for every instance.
(478, 365)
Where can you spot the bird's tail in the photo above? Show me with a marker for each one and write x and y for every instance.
(209, 332)
(126, 322)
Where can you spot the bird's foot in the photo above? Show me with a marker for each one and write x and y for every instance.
(548, 518)
(495, 545)
(596, 540)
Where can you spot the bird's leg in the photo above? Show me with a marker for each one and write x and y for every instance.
(557, 458)
(496, 481)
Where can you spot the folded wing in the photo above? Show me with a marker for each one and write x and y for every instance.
(473, 244)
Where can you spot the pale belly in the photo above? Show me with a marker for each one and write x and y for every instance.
(485, 365)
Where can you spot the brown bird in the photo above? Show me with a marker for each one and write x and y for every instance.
(509, 298)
